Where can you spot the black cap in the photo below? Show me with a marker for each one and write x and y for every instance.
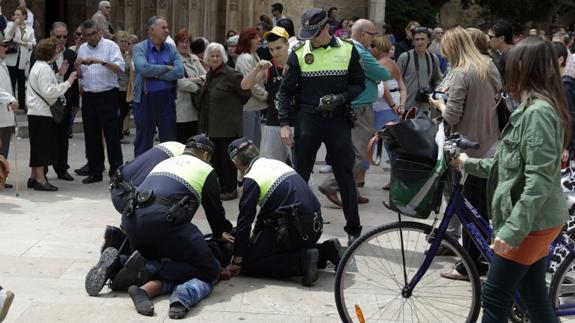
(312, 22)
(234, 148)
(201, 142)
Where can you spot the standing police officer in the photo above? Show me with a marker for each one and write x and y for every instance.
(159, 226)
(324, 74)
(283, 242)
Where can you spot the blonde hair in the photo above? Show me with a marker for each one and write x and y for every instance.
(461, 52)
(382, 43)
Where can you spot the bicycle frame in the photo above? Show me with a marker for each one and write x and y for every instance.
(562, 309)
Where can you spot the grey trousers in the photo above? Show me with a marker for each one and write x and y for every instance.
(5, 135)
(253, 127)
(272, 146)
(360, 136)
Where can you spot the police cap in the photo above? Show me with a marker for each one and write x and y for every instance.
(238, 145)
(201, 142)
(312, 22)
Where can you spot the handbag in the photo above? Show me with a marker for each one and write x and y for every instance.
(11, 47)
(58, 109)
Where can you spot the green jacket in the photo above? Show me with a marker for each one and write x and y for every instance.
(524, 176)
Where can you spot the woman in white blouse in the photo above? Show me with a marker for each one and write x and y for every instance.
(23, 35)
(43, 90)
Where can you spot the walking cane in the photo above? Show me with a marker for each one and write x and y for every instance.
(15, 144)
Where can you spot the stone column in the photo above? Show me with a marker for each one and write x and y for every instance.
(376, 11)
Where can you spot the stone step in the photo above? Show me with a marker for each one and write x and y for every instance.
(78, 127)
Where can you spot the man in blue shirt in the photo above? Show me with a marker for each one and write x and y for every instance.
(362, 33)
(158, 67)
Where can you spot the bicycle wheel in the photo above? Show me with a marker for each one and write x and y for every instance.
(370, 279)
(562, 287)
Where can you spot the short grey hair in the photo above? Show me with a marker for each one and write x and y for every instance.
(216, 46)
(87, 24)
(360, 26)
(58, 24)
(102, 4)
(152, 21)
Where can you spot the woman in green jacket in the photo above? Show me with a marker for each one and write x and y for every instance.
(527, 207)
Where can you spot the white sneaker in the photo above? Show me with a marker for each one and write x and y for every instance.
(325, 169)
(6, 298)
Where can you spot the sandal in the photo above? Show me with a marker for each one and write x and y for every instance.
(454, 275)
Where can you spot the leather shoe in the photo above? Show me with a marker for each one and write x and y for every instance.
(229, 196)
(83, 171)
(46, 187)
(92, 179)
(331, 196)
(65, 177)
(361, 199)
(31, 182)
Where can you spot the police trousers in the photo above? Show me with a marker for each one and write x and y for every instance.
(182, 245)
(266, 257)
(335, 132)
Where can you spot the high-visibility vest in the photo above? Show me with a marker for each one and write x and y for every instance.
(330, 61)
(171, 148)
(186, 169)
(268, 174)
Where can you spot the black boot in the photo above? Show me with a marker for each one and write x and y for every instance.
(99, 274)
(141, 300)
(133, 273)
(177, 311)
(310, 259)
(113, 237)
(330, 250)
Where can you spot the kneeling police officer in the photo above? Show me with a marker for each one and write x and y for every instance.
(159, 226)
(283, 242)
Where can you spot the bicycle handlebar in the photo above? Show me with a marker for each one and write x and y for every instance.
(465, 143)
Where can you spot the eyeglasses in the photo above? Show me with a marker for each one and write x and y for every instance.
(491, 36)
(61, 36)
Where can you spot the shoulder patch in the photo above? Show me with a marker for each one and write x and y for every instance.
(298, 46)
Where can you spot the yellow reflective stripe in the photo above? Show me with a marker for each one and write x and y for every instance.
(268, 174)
(186, 169)
(326, 61)
(172, 148)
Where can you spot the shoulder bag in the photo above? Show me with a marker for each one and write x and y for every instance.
(58, 109)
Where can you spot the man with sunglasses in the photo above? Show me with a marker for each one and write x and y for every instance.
(362, 34)
(500, 41)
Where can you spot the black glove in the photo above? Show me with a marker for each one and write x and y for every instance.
(329, 102)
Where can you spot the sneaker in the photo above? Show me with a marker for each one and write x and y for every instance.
(330, 250)
(326, 169)
(133, 273)
(113, 237)
(311, 257)
(6, 298)
(177, 311)
(99, 274)
(141, 300)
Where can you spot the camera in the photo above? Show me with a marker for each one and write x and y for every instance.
(423, 94)
(438, 94)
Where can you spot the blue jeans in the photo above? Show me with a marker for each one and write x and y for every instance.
(189, 293)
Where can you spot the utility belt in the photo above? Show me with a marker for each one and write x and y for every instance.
(345, 110)
(288, 221)
(179, 212)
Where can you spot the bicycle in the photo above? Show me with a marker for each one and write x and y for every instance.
(392, 273)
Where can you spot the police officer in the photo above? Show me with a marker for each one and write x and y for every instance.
(289, 223)
(324, 75)
(160, 228)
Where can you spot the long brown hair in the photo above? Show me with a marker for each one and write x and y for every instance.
(533, 71)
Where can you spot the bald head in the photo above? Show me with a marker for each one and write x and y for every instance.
(363, 31)
(103, 4)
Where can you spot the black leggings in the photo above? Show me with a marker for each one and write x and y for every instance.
(504, 278)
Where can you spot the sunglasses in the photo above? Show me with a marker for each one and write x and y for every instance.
(61, 37)
(372, 46)
(78, 34)
(491, 36)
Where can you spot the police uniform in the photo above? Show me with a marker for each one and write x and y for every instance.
(312, 74)
(288, 223)
(150, 232)
(133, 173)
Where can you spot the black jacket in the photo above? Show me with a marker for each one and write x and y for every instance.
(569, 86)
